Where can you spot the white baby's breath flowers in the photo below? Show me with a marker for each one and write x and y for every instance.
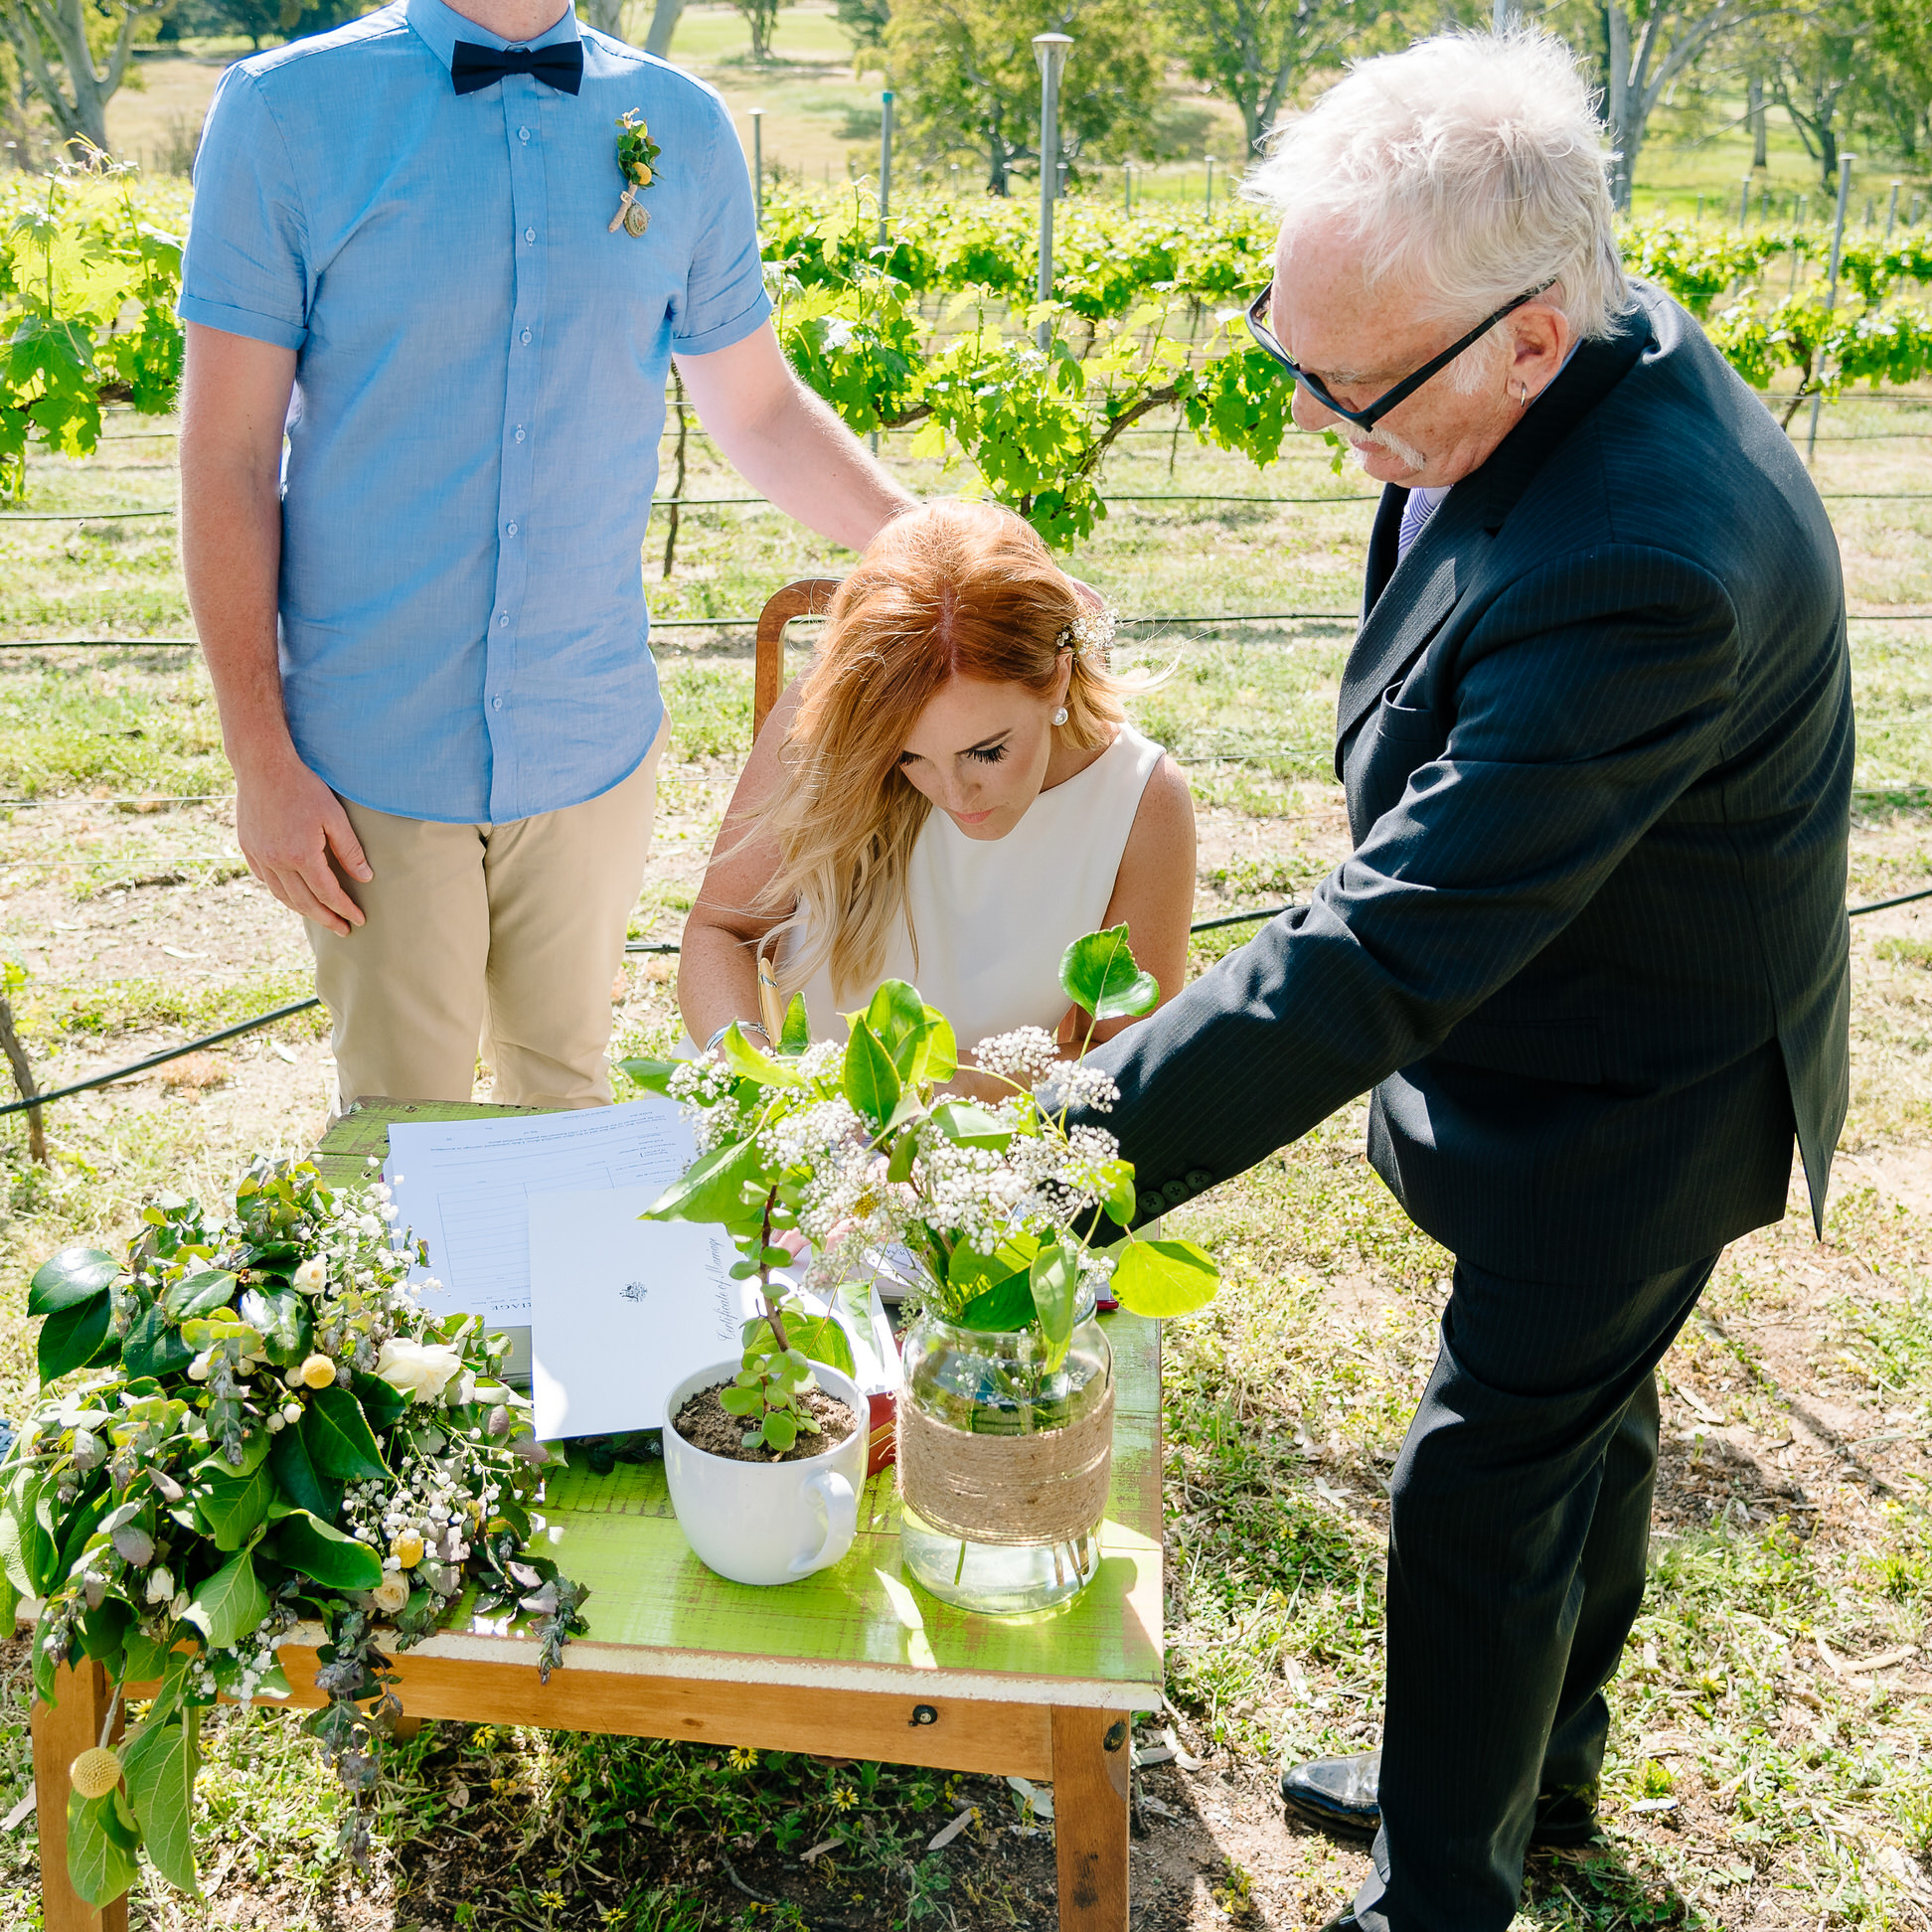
(1025, 1055)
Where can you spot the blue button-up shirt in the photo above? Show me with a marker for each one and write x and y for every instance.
(479, 391)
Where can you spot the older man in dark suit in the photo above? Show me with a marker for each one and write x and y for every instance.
(1590, 949)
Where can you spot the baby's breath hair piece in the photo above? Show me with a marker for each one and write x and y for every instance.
(1089, 637)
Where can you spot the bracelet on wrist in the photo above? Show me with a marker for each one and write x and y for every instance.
(743, 1026)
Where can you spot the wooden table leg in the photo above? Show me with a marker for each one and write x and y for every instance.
(1092, 1763)
(61, 1731)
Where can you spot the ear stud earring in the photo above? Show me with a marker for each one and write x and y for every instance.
(1059, 717)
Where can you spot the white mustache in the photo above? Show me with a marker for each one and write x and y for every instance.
(1362, 440)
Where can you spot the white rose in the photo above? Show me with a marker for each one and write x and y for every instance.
(160, 1585)
(392, 1593)
(417, 1369)
(313, 1275)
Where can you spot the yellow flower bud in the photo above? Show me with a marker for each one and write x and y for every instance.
(641, 174)
(408, 1550)
(318, 1371)
(94, 1773)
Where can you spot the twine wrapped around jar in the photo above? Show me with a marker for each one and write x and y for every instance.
(1046, 1486)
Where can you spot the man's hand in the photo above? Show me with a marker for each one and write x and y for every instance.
(289, 824)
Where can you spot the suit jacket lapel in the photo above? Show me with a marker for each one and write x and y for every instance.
(1394, 628)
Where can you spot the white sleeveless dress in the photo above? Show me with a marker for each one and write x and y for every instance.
(994, 915)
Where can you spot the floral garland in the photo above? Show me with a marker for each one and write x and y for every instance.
(274, 1433)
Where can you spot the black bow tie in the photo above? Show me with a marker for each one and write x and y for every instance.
(559, 65)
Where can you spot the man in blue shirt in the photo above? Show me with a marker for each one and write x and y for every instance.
(426, 631)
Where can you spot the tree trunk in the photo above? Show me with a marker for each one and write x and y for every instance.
(996, 179)
(664, 22)
(607, 16)
(1828, 155)
(1760, 132)
(1616, 79)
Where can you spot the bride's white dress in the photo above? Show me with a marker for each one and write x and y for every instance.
(990, 917)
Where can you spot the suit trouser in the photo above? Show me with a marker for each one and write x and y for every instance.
(515, 931)
(1519, 1530)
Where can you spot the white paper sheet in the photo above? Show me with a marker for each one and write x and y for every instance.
(465, 1185)
(621, 1310)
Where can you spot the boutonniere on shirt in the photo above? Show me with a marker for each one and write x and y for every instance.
(637, 157)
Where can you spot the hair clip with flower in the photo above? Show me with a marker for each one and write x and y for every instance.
(1089, 637)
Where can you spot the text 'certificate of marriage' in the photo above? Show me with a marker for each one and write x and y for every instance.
(464, 1187)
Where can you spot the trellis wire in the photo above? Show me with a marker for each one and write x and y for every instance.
(640, 946)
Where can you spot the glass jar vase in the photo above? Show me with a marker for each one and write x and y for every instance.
(1003, 1464)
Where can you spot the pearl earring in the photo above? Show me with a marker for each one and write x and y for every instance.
(1059, 717)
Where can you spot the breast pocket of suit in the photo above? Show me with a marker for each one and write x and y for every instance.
(1411, 724)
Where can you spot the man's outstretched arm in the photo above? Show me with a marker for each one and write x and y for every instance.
(787, 444)
(234, 394)
(1568, 742)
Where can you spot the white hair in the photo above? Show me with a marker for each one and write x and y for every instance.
(1471, 167)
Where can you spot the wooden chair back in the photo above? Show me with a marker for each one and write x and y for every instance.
(808, 598)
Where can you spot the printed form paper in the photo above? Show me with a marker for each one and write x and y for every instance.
(465, 1187)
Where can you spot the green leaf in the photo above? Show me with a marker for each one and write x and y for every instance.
(100, 1867)
(1003, 1309)
(970, 1271)
(146, 1654)
(748, 1063)
(712, 1188)
(653, 1075)
(76, 1274)
(1164, 1278)
(382, 1402)
(897, 1015)
(971, 1126)
(1116, 1190)
(819, 1339)
(336, 1434)
(231, 1506)
(301, 1481)
(280, 1316)
(1054, 1280)
(254, 1450)
(230, 1605)
(199, 1294)
(796, 1034)
(325, 1555)
(9, 1603)
(939, 1055)
(1099, 972)
(27, 1547)
(905, 1150)
(872, 1082)
(740, 1401)
(103, 1632)
(159, 1763)
(154, 1345)
(780, 1430)
(82, 1520)
(74, 1336)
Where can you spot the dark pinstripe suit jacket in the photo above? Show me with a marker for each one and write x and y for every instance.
(1590, 951)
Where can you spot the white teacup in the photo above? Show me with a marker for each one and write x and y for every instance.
(766, 1522)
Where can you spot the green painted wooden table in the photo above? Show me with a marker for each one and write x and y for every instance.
(854, 1662)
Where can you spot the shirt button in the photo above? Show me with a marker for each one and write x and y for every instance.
(496, 703)
(530, 235)
(523, 134)
(503, 618)
(509, 530)
(519, 435)
(524, 337)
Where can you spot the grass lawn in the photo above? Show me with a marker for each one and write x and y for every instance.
(1772, 1716)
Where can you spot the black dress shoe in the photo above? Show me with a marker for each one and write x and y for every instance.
(1338, 1795)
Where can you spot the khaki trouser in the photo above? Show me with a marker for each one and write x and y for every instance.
(509, 933)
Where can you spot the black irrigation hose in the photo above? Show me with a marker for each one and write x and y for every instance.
(161, 1058)
(632, 946)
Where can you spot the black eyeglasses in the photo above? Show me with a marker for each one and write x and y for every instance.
(1373, 414)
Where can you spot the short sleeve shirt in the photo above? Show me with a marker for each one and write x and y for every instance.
(479, 391)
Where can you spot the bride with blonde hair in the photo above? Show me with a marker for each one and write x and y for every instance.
(950, 795)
